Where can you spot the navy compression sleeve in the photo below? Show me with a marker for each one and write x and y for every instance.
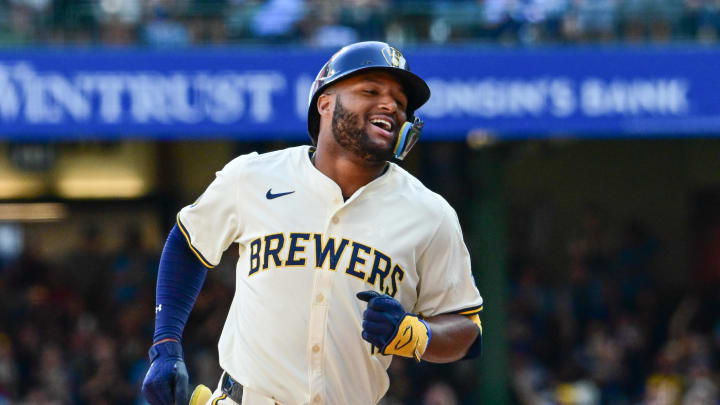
(180, 278)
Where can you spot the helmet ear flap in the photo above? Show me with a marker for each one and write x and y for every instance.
(408, 136)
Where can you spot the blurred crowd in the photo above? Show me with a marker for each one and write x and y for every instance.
(608, 329)
(75, 329)
(177, 23)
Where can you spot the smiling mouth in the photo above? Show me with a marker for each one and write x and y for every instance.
(382, 124)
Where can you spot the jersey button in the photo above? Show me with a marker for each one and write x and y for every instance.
(317, 398)
(335, 219)
(316, 349)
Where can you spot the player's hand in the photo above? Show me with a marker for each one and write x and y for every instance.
(166, 382)
(388, 326)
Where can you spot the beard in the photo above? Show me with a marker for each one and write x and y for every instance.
(350, 134)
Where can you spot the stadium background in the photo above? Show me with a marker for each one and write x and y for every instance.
(595, 236)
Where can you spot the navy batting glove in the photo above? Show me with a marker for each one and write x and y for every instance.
(391, 329)
(166, 382)
(381, 317)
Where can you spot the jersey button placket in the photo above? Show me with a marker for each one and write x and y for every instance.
(318, 321)
(318, 326)
(319, 313)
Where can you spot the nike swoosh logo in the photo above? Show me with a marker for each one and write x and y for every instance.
(407, 330)
(269, 195)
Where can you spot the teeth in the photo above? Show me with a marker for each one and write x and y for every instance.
(384, 123)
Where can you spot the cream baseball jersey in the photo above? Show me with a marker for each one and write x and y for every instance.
(294, 327)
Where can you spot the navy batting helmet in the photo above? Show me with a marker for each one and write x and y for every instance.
(362, 57)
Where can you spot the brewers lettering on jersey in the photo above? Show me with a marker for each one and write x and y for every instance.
(345, 259)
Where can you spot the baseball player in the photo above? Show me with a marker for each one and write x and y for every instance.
(345, 259)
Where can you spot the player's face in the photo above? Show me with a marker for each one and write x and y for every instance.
(369, 111)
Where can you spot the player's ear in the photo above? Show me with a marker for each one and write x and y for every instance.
(325, 103)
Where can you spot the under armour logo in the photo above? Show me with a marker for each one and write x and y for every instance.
(158, 308)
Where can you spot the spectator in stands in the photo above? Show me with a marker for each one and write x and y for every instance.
(277, 20)
(105, 383)
(73, 22)
(8, 369)
(554, 24)
(701, 386)
(367, 17)
(497, 23)
(119, 21)
(26, 341)
(649, 19)
(440, 393)
(595, 19)
(52, 375)
(84, 271)
(323, 27)
(603, 359)
(163, 26)
(708, 21)
(24, 19)
(530, 16)
(131, 268)
(206, 19)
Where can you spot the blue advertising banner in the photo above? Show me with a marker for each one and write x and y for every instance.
(253, 93)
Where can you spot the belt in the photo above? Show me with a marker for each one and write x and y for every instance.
(232, 388)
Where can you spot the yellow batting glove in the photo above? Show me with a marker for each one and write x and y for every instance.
(410, 340)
